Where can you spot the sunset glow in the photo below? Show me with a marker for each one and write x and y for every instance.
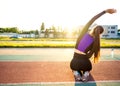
(29, 14)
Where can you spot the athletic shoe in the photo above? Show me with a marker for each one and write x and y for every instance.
(77, 76)
(85, 76)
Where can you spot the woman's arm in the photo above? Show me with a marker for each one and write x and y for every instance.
(90, 22)
(86, 27)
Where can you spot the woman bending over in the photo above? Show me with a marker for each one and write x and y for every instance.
(88, 44)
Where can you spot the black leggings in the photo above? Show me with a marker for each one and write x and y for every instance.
(80, 63)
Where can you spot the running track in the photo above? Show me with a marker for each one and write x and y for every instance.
(26, 67)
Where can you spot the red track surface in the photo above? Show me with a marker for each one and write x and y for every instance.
(18, 72)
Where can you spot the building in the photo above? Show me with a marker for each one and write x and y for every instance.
(110, 31)
(8, 34)
(16, 35)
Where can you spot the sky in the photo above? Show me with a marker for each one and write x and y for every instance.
(29, 14)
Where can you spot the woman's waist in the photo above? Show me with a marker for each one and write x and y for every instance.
(79, 52)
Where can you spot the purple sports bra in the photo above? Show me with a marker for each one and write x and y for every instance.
(85, 42)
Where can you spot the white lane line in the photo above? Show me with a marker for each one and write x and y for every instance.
(51, 61)
(108, 81)
(48, 61)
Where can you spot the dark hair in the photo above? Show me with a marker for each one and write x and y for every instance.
(96, 45)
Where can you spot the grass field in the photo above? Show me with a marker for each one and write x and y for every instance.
(51, 42)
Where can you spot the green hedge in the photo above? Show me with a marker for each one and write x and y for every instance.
(51, 43)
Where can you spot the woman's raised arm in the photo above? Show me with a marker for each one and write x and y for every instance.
(86, 27)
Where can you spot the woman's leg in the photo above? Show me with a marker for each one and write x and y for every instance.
(85, 76)
(86, 71)
(77, 75)
(80, 63)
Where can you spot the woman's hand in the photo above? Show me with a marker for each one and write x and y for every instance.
(110, 11)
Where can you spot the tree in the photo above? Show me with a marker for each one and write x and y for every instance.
(54, 31)
(14, 30)
(36, 34)
(42, 26)
(10, 30)
(32, 32)
(46, 33)
(118, 30)
(1, 30)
